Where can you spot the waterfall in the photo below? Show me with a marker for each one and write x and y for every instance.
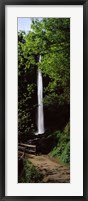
(40, 101)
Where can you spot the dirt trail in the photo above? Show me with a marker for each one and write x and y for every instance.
(53, 171)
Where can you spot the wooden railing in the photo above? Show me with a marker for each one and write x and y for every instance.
(26, 148)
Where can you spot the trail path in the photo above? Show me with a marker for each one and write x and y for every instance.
(53, 171)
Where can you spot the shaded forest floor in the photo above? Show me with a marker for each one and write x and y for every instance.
(52, 170)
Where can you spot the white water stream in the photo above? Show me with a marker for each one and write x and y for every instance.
(40, 102)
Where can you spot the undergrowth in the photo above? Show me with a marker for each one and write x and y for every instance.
(62, 150)
(30, 173)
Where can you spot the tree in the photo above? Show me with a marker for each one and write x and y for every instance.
(49, 37)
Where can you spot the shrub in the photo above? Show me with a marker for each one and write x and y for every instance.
(30, 173)
(62, 150)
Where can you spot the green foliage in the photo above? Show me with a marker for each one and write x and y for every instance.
(62, 150)
(49, 37)
(30, 173)
(65, 156)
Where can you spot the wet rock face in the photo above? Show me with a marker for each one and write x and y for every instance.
(24, 137)
(45, 145)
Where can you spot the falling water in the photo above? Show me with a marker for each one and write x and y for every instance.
(40, 102)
